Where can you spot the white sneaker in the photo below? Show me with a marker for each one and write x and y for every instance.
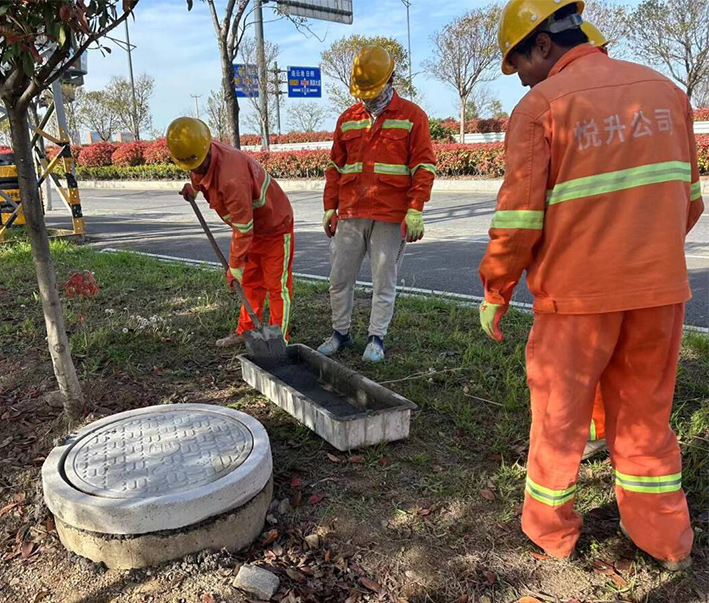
(374, 352)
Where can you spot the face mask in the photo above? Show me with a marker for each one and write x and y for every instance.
(377, 105)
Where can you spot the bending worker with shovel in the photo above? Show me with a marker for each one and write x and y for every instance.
(247, 199)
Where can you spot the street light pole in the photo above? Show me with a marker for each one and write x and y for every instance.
(196, 103)
(407, 4)
(136, 125)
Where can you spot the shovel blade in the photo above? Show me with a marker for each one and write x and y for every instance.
(266, 345)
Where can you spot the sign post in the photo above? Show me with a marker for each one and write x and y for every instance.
(246, 80)
(304, 82)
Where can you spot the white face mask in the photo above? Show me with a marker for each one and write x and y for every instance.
(377, 105)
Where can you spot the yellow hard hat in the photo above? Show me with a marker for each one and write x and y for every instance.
(595, 37)
(520, 18)
(188, 140)
(371, 71)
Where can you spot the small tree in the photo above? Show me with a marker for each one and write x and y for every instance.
(218, 114)
(465, 53)
(229, 30)
(306, 116)
(96, 112)
(337, 64)
(39, 41)
(247, 51)
(119, 96)
(674, 36)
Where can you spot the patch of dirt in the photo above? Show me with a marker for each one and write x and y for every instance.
(371, 526)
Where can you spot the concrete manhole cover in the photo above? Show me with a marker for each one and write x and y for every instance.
(157, 468)
(157, 454)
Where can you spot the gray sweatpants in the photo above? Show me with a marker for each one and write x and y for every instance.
(353, 239)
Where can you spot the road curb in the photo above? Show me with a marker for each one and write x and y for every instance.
(289, 186)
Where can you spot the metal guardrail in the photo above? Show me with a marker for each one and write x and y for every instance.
(700, 127)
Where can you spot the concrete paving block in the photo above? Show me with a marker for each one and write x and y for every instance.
(157, 468)
(343, 407)
(257, 581)
(233, 530)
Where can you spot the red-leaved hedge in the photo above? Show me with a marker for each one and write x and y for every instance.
(157, 152)
(290, 137)
(95, 155)
(129, 154)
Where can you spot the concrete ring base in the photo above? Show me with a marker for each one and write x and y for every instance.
(233, 530)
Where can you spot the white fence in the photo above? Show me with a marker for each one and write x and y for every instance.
(700, 127)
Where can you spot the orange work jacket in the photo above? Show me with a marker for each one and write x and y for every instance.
(600, 190)
(245, 197)
(380, 168)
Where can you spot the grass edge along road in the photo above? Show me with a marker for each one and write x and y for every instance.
(431, 518)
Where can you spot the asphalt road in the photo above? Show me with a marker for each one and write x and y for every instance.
(445, 260)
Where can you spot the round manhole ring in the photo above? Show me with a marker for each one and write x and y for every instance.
(206, 460)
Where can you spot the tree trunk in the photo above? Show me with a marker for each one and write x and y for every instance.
(51, 304)
(230, 99)
(463, 102)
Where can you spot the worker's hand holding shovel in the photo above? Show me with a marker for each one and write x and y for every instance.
(234, 274)
(188, 193)
(329, 222)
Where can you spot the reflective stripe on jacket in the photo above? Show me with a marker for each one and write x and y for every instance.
(245, 197)
(601, 188)
(380, 168)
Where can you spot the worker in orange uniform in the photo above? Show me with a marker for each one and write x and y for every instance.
(252, 203)
(379, 178)
(601, 188)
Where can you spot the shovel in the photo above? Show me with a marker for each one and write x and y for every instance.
(265, 344)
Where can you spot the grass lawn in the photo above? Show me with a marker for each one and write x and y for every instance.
(434, 518)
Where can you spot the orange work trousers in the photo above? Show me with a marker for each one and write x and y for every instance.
(269, 271)
(633, 356)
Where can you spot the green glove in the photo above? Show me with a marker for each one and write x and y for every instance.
(234, 274)
(412, 226)
(490, 316)
(329, 222)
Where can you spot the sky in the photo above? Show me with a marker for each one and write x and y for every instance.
(178, 48)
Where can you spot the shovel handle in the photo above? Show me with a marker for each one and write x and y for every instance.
(235, 283)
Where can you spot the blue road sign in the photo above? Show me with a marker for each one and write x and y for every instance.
(246, 80)
(304, 82)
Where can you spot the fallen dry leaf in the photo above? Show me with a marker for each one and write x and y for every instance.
(208, 598)
(463, 599)
(306, 570)
(295, 575)
(50, 525)
(384, 461)
(603, 567)
(296, 483)
(315, 499)
(540, 556)
(42, 594)
(490, 577)
(26, 549)
(7, 508)
(624, 565)
(296, 499)
(488, 494)
(437, 468)
(371, 585)
(619, 581)
(333, 458)
(425, 512)
(328, 555)
(271, 536)
(356, 459)
(529, 600)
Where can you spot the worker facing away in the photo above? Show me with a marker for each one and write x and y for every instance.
(252, 203)
(601, 188)
(379, 178)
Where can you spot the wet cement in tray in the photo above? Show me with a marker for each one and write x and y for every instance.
(299, 376)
